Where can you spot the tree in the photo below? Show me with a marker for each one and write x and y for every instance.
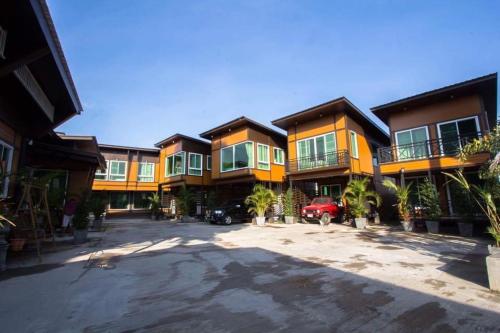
(185, 200)
(359, 198)
(260, 200)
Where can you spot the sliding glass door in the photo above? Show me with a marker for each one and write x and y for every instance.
(317, 152)
(412, 144)
(454, 134)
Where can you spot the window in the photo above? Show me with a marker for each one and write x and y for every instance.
(279, 156)
(209, 162)
(354, 144)
(334, 191)
(118, 200)
(195, 165)
(236, 157)
(102, 174)
(6, 153)
(117, 170)
(317, 152)
(455, 134)
(263, 156)
(141, 200)
(146, 172)
(412, 144)
(175, 164)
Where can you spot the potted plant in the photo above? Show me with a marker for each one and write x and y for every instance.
(463, 205)
(80, 222)
(403, 197)
(429, 197)
(98, 208)
(288, 207)
(185, 203)
(359, 199)
(155, 205)
(259, 202)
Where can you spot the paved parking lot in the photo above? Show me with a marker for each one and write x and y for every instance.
(143, 276)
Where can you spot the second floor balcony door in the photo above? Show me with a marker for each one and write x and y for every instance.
(317, 152)
(412, 144)
(455, 134)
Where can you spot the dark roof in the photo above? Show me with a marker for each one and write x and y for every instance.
(179, 136)
(240, 122)
(486, 86)
(151, 150)
(335, 105)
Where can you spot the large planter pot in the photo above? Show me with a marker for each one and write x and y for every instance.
(408, 225)
(432, 227)
(360, 222)
(3, 253)
(465, 229)
(493, 267)
(261, 220)
(289, 219)
(493, 250)
(80, 236)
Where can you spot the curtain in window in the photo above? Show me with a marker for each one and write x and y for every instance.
(263, 157)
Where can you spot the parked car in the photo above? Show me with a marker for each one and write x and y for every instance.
(233, 211)
(322, 210)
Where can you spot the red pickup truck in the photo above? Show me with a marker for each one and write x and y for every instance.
(322, 209)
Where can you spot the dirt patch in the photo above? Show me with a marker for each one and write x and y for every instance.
(388, 247)
(420, 318)
(311, 233)
(30, 270)
(103, 260)
(436, 284)
(286, 241)
(409, 265)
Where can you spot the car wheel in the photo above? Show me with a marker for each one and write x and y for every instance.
(228, 220)
(325, 219)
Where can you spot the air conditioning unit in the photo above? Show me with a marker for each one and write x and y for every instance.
(3, 40)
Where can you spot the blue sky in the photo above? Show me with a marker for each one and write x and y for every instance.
(147, 69)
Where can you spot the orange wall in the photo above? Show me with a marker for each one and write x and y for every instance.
(364, 163)
(276, 172)
(131, 184)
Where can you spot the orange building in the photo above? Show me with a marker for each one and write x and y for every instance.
(131, 175)
(184, 162)
(427, 131)
(245, 152)
(328, 145)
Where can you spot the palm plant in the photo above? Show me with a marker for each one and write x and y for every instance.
(359, 198)
(155, 203)
(403, 196)
(185, 200)
(484, 200)
(260, 200)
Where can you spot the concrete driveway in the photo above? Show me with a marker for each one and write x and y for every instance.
(143, 276)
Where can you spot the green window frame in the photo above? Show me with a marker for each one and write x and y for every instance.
(175, 164)
(263, 159)
(117, 171)
(236, 157)
(195, 164)
(279, 156)
(146, 172)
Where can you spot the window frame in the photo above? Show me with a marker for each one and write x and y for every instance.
(282, 151)
(125, 171)
(268, 157)
(4, 191)
(209, 163)
(478, 131)
(314, 138)
(429, 151)
(198, 169)
(351, 132)
(152, 176)
(250, 165)
(182, 152)
(105, 173)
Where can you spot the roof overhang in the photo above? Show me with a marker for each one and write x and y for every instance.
(177, 137)
(126, 148)
(485, 86)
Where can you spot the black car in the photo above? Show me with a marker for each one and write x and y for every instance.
(230, 212)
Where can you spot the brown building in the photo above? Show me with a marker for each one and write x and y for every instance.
(184, 162)
(427, 131)
(328, 145)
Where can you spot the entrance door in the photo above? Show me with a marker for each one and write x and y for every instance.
(334, 191)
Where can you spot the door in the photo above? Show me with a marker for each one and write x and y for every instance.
(455, 134)
(412, 144)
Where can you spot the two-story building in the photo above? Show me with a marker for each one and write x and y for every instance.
(184, 162)
(245, 152)
(130, 177)
(328, 145)
(427, 131)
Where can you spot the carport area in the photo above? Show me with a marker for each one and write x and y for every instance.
(143, 276)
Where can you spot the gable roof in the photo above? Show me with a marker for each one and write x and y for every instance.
(240, 122)
(334, 105)
(179, 136)
(486, 86)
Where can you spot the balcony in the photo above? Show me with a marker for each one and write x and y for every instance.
(449, 147)
(333, 160)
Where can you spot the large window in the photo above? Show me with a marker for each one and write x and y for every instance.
(6, 153)
(412, 144)
(195, 164)
(317, 152)
(236, 157)
(175, 164)
(146, 172)
(354, 144)
(454, 134)
(263, 157)
(141, 200)
(209, 162)
(117, 170)
(334, 191)
(279, 156)
(102, 174)
(118, 200)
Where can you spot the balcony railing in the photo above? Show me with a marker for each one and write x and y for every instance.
(424, 149)
(335, 159)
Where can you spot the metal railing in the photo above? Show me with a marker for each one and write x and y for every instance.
(335, 159)
(425, 149)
